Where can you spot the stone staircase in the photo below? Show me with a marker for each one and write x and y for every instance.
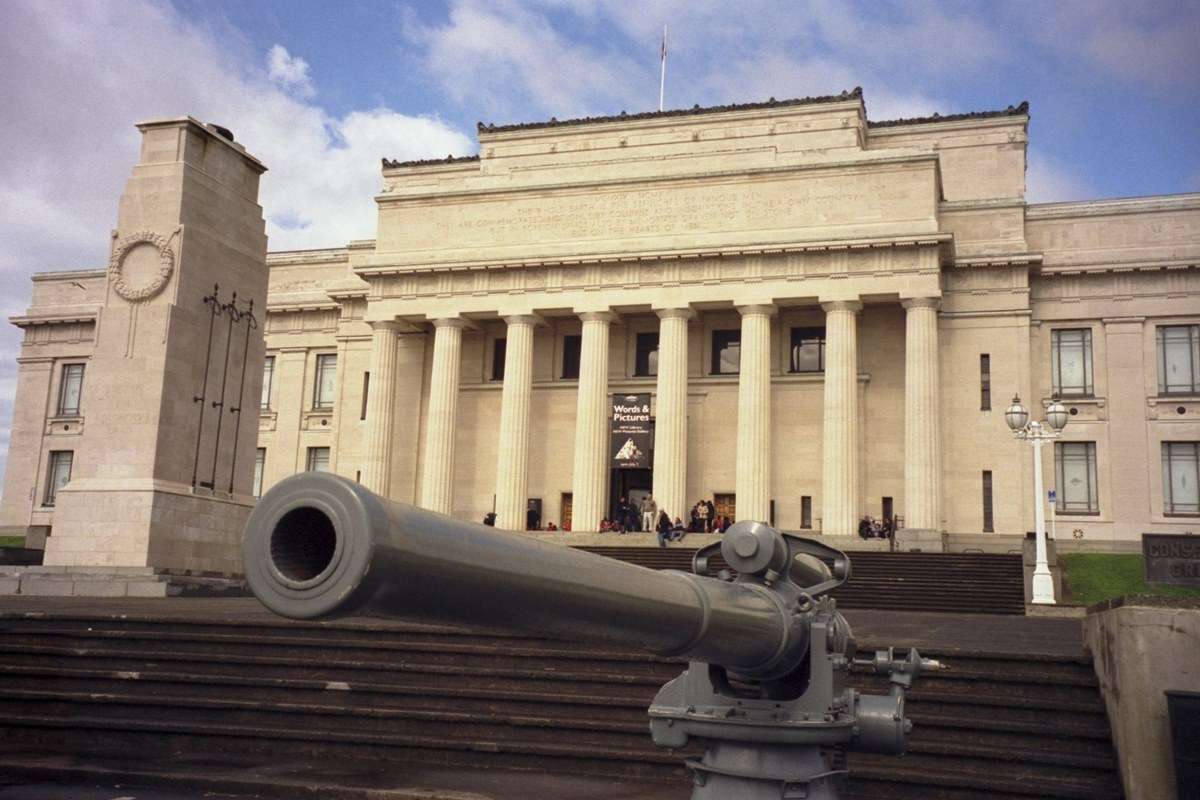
(204, 689)
(953, 582)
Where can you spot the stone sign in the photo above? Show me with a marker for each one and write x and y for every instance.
(1171, 559)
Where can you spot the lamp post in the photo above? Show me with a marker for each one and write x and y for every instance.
(1036, 433)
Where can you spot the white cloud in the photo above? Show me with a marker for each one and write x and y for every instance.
(1048, 180)
(505, 59)
(1152, 45)
(288, 71)
(78, 75)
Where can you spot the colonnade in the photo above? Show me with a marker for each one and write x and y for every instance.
(841, 461)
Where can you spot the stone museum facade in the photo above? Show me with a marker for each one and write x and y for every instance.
(829, 316)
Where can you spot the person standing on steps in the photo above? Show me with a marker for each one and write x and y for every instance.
(649, 512)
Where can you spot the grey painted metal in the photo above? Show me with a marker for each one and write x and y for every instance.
(765, 687)
(320, 546)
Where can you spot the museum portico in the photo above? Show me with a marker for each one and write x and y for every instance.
(827, 315)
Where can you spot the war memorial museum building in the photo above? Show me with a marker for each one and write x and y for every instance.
(826, 315)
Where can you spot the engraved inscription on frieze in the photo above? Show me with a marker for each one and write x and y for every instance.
(598, 214)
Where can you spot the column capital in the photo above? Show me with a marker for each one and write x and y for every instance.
(752, 309)
(675, 313)
(451, 322)
(523, 319)
(853, 306)
(597, 316)
(921, 302)
(393, 325)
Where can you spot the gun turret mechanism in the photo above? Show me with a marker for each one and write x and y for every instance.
(767, 649)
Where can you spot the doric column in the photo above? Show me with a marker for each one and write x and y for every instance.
(754, 415)
(670, 423)
(922, 440)
(376, 473)
(839, 483)
(589, 482)
(437, 477)
(512, 463)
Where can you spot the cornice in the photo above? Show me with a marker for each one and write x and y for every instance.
(58, 317)
(1021, 110)
(1173, 265)
(1118, 205)
(316, 256)
(486, 130)
(938, 239)
(1007, 260)
(68, 274)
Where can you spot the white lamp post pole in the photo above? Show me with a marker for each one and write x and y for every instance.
(1036, 433)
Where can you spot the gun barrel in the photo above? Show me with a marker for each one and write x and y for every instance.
(320, 546)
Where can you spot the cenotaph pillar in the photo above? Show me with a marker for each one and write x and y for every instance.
(162, 474)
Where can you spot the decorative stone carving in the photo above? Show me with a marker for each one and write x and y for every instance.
(135, 292)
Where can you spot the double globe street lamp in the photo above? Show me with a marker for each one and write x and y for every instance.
(1017, 417)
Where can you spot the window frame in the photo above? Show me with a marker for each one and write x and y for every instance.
(50, 491)
(572, 355)
(798, 333)
(642, 367)
(1093, 488)
(499, 354)
(1168, 484)
(989, 509)
(311, 458)
(319, 401)
(268, 383)
(260, 468)
(61, 409)
(1056, 347)
(1193, 340)
(985, 381)
(728, 336)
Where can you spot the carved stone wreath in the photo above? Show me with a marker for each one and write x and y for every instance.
(166, 265)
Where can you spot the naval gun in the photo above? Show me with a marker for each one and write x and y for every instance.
(767, 650)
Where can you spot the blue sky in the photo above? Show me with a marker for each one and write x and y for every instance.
(321, 91)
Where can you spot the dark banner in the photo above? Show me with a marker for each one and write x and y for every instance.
(1171, 559)
(630, 445)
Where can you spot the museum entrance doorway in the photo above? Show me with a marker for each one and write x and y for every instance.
(633, 484)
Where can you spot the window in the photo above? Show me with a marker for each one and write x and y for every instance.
(366, 392)
(805, 511)
(318, 459)
(985, 382)
(726, 352)
(808, 350)
(58, 474)
(989, 522)
(268, 379)
(260, 461)
(1179, 359)
(571, 348)
(1181, 470)
(1075, 467)
(1071, 361)
(70, 389)
(645, 360)
(498, 351)
(326, 381)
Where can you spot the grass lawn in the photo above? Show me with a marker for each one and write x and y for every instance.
(1096, 577)
(12, 541)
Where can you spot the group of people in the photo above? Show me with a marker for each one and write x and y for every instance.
(705, 519)
(875, 528)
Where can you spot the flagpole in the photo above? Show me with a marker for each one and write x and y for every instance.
(662, 80)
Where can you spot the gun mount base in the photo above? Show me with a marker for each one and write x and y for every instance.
(744, 771)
